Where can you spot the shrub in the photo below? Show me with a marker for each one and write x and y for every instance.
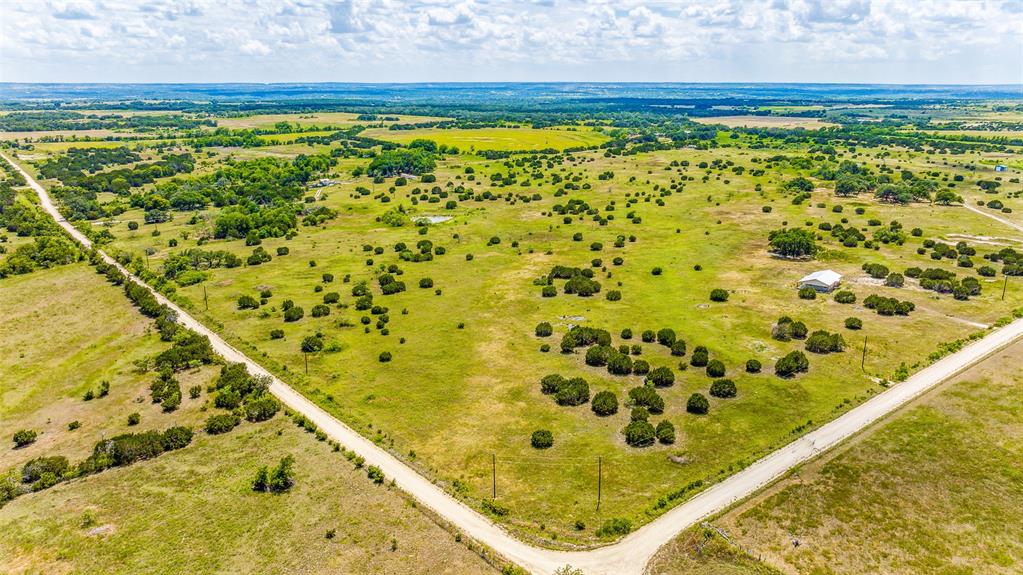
(247, 302)
(657, 271)
(618, 363)
(807, 293)
(626, 333)
(645, 396)
(845, 296)
(375, 474)
(661, 377)
(261, 409)
(699, 357)
(639, 433)
(134, 418)
(604, 403)
(678, 348)
(549, 291)
(541, 439)
(385, 356)
(723, 388)
(544, 329)
(639, 414)
(697, 404)
(278, 480)
(665, 432)
(715, 368)
(228, 398)
(276, 334)
(574, 391)
(426, 283)
(550, 384)
(894, 280)
(853, 323)
(294, 313)
(615, 527)
(793, 363)
(35, 469)
(753, 366)
(666, 337)
(718, 294)
(613, 295)
(648, 336)
(640, 367)
(312, 344)
(823, 342)
(320, 310)
(221, 423)
(24, 437)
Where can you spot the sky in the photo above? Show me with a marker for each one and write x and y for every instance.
(843, 41)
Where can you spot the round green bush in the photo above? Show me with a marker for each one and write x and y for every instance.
(312, 344)
(221, 423)
(639, 433)
(294, 313)
(697, 404)
(793, 363)
(544, 329)
(661, 377)
(807, 293)
(723, 388)
(665, 432)
(550, 384)
(845, 296)
(604, 403)
(753, 366)
(385, 356)
(718, 294)
(573, 392)
(715, 368)
(541, 439)
(549, 291)
(853, 323)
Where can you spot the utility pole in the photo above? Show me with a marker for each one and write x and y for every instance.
(205, 297)
(306, 356)
(1005, 285)
(493, 476)
(863, 360)
(600, 478)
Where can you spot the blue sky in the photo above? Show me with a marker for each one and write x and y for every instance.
(873, 41)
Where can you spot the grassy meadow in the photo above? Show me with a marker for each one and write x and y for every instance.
(936, 488)
(463, 385)
(65, 330)
(495, 138)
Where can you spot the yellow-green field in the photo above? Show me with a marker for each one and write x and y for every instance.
(935, 489)
(188, 511)
(765, 122)
(495, 138)
(317, 119)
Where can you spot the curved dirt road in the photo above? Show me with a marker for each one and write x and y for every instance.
(630, 555)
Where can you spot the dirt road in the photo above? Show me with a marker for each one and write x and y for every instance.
(630, 555)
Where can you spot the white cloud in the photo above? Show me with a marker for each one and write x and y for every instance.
(450, 40)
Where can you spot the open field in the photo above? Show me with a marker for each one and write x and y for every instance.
(495, 138)
(460, 395)
(452, 397)
(317, 119)
(765, 122)
(934, 489)
(187, 511)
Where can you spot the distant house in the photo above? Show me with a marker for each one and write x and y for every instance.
(1000, 168)
(823, 281)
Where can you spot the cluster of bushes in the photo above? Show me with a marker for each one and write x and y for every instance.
(574, 391)
(821, 341)
(785, 329)
(792, 363)
(166, 390)
(579, 281)
(792, 242)
(888, 305)
(389, 285)
(944, 281)
(277, 480)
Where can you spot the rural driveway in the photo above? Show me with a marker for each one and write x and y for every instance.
(630, 555)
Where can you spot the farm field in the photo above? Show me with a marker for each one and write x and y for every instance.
(192, 510)
(495, 138)
(765, 122)
(935, 488)
(317, 119)
(460, 396)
